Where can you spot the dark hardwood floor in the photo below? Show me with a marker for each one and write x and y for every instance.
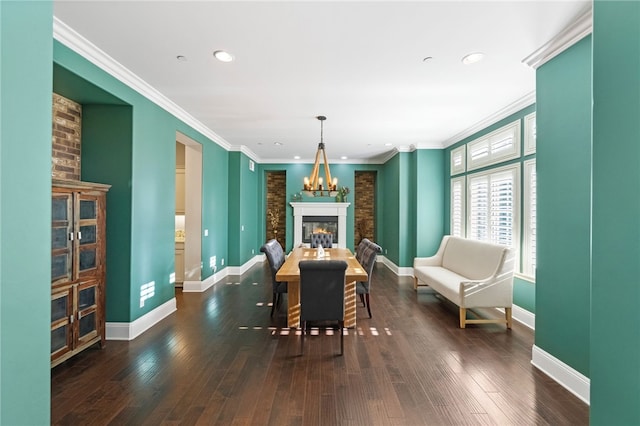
(220, 359)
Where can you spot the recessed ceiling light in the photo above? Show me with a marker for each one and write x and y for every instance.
(472, 58)
(223, 56)
(296, 157)
(181, 58)
(344, 157)
(388, 144)
(277, 143)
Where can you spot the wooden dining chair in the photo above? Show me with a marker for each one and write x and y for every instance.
(322, 284)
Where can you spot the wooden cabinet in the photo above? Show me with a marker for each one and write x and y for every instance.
(78, 250)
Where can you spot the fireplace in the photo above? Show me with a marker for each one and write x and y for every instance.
(332, 217)
(319, 225)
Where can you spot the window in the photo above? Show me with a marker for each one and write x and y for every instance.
(530, 134)
(457, 207)
(492, 200)
(529, 218)
(498, 146)
(458, 160)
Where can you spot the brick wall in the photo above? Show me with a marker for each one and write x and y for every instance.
(364, 206)
(277, 204)
(66, 138)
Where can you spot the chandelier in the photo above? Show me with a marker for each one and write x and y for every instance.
(314, 185)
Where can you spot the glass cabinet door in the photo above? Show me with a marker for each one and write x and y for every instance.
(87, 306)
(61, 238)
(61, 322)
(87, 233)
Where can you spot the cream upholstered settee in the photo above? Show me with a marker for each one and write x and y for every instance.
(471, 274)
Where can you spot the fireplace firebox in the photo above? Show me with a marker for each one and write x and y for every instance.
(319, 224)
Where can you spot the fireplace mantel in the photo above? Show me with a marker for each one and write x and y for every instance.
(320, 209)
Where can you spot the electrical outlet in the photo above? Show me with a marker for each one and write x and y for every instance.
(222, 261)
(385, 251)
(253, 251)
(206, 232)
(212, 262)
(242, 228)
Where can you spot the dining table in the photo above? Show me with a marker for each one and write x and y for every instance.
(290, 272)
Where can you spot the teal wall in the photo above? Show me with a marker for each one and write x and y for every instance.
(245, 217)
(107, 132)
(429, 200)
(136, 142)
(615, 288)
(390, 187)
(563, 206)
(25, 212)
(215, 208)
(523, 290)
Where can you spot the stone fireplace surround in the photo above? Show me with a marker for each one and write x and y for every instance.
(301, 209)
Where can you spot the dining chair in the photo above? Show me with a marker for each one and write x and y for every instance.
(322, 284)
(324, 239)
(360, 248)
(367, 258)
(275, 255)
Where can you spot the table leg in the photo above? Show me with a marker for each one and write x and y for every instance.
(350, 305)
(293, 304)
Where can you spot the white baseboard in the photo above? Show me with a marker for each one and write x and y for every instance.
(400, 271)
(524, 317)
(200, 286)
(239, 270)
(567, 377)
(131, 330)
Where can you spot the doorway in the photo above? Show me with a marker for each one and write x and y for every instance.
(188, 222)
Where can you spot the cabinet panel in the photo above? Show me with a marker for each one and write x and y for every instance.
(87, 304)
(61, 237)
(61, 322)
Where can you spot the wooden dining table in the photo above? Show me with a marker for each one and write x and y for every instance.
(290, 272)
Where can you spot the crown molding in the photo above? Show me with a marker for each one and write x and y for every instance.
(579, 29)
(246, 151)
(83, 47)
(429, 145)
(512, 108)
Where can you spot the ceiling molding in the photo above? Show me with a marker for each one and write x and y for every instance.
(430, 145)
(525, 101)
(83, 47)
(246, 151)
(579, 29)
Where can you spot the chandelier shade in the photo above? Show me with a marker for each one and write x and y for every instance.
(313, 184)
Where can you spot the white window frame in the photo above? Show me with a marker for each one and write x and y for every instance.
(490, 144)
(529, 255)
(530, 134)
(514, 170)
(458, 203)
(458, 160)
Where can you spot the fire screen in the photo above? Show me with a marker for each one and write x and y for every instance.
(319, 224)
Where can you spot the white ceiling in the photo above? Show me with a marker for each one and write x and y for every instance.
(359, 63)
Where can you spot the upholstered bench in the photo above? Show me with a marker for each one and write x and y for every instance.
(471, 274)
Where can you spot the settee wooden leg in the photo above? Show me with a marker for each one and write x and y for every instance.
(507, 314)
(415, 283)
(463, 317)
